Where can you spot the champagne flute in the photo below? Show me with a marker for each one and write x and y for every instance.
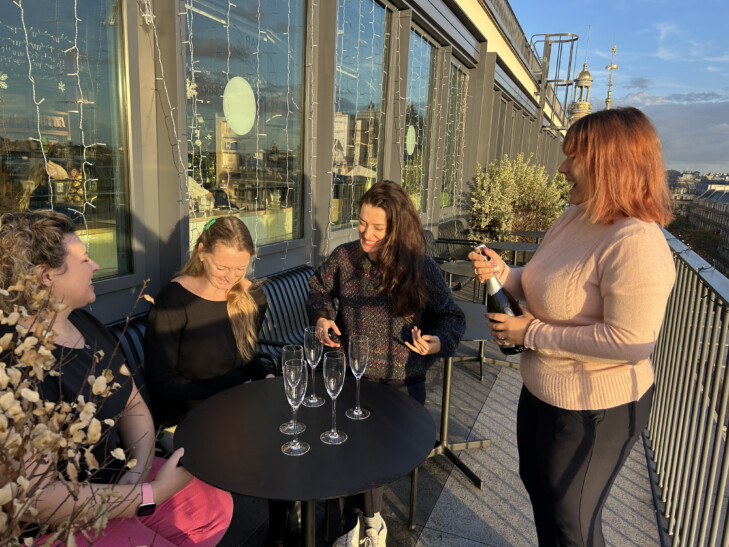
(295, 380)
(313, 348)
(359, 351)
(335, 368)
(288, 353)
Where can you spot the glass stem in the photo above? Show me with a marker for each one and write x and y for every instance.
(313, 392)
(293, 418)
(356, 404)
(334, 415)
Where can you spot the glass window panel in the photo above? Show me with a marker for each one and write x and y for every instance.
(359, 123)
(453, 135)
(421, 63)
(61, 120)
(245, 95)
(500, 130)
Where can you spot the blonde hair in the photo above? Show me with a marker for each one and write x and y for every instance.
(625, 171)
(230, 231)
(30, 239)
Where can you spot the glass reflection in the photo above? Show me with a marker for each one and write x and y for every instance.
(245, 94)
(417, 119)
(359, 122)
(453, 136)
(61, 120)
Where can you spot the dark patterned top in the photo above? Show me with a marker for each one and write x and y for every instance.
(346, 288)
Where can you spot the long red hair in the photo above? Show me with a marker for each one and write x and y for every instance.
(626, 175)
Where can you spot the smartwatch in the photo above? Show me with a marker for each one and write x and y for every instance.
(147, 506)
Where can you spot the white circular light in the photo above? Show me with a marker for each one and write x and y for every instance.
(410, 140)
(239, 105)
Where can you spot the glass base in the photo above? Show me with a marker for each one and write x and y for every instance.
(357, 414)
(288, 428)
(295, 448)
(313, 401)
(333, 436)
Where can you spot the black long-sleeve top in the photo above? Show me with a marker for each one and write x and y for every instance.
(346, 288)
(190, 351)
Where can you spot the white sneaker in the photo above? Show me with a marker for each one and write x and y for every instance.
(376, 538)
(350, 539)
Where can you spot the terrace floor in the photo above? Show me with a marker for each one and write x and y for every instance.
(450, 510)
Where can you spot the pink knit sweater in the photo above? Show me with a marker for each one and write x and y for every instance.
(598, 292)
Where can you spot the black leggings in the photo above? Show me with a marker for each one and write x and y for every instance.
(568, 461)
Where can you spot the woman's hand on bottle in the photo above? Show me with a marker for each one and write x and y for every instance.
(487, 264)
(327, 324)
(170, 478)
(507, 329)
(424, 344)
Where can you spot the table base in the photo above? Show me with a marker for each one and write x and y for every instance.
(444, 447)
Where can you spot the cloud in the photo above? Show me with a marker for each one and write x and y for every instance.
(644, 99)
(704, 97)
(721, 59)
(667, 43)
(640, 100)
(694, 135)
(638, 82)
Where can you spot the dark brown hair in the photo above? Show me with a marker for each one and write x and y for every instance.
(402, 254)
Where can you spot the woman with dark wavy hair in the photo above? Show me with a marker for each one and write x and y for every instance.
(389, 290)
(596, 291)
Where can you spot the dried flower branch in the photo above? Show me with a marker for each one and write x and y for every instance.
(44, 442)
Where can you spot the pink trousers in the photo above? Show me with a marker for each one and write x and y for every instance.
(199, 515)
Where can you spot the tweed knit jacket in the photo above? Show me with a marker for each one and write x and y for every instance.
(346, 288)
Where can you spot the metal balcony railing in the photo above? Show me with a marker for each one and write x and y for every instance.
(686, 433)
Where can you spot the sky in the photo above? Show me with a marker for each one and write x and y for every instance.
(673, 63)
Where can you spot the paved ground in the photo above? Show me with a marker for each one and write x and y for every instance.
(450, 510)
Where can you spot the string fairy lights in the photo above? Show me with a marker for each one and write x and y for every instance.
(264, 177)
(86, 179)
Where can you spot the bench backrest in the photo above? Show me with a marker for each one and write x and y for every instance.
(286, 319)
(132, 347)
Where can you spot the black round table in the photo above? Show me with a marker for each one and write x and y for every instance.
(463, 268)
(232, 442)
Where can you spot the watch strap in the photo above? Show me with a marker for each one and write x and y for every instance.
(147, 507)
(147, 494)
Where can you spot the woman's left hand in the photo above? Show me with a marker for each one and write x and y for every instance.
(424, 344)
(509, 330)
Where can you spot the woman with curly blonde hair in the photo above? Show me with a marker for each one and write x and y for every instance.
(156, 501)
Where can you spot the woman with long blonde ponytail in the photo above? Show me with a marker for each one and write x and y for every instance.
(202, 329)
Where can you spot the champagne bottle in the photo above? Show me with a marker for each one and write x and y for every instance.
(499, 300)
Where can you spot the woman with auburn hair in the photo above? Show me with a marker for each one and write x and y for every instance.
(389, 290)
(203, 326)
(157, 501)
(596, 292)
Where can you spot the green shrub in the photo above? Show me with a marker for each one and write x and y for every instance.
(514, 194)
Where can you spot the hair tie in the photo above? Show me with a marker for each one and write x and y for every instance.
(209, 223)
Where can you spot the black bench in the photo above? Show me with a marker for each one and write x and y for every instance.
(286, 319)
